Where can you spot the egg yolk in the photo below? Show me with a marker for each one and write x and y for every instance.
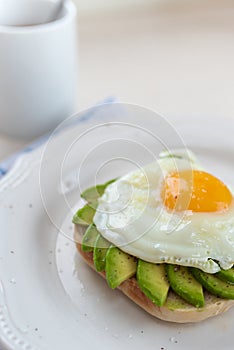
(195, 190)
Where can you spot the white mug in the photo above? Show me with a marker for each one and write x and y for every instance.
(38, 66)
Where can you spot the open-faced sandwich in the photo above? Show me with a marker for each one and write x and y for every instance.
(163, 235)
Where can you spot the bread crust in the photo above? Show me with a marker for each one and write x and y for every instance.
(185, 314)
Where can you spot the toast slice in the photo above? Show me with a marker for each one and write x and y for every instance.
(175, 309)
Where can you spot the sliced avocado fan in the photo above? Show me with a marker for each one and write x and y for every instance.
(155, 280)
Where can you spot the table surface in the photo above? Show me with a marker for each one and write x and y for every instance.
(177, 60)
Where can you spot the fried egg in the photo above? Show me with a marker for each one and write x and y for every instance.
(170, 211)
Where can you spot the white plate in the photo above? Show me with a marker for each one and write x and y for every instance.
(49, 298)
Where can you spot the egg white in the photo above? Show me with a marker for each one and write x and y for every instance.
(132, 216)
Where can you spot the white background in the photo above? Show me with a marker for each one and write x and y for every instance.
(173, 56)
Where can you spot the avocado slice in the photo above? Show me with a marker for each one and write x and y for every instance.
(84, 216)
(89, 238)
(101, 246)
(153, 282)
(185, 285)
(226, 275)
(213, 284)
(91, 194)
(119, 266)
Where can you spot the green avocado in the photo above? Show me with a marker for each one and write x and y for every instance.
(91, 194)
(101, 246)
(84, 216)
(89, 238)
(153, 282)
(226, 275)
(185, 285)
(119, 266)
(213, 284)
